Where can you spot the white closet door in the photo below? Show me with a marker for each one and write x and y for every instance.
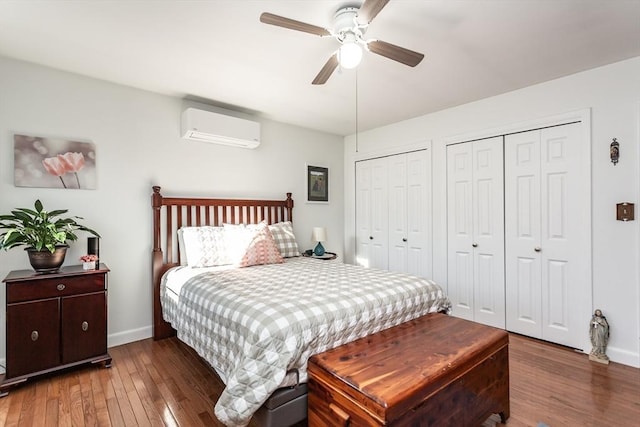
(488, 226)
(476, 230)
(522, 230)
(547, 239)
(460, 229)
(409, 249)
(372, 213)
(418, 212)
(398, 235)
(563, 236)
(364, 186)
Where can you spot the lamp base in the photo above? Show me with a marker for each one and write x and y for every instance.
(319, 250)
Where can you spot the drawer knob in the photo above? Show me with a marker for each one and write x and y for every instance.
(61, 287)
(85, 326)
(34, 336)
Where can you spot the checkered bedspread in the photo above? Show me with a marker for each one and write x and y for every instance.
(255, 324)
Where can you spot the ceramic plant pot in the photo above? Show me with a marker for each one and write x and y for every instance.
(46, 262)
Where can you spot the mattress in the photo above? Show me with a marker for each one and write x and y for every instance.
(257, 326)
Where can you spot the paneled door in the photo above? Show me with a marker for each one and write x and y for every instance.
(409, 205)
(547, 235)
(372, 217)
(475, 229)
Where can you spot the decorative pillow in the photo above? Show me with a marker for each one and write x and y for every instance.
(285, 239)
(237, 238)
(262, 248)
(203, 246)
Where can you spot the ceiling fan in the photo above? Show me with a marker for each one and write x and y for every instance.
(349, 25)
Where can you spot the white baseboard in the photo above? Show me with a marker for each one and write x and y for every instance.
(131, 335)
(624, 357)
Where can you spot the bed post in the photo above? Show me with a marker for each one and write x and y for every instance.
(289, 207)
(161, 329)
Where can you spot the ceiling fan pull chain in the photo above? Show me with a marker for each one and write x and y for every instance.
(356, 110)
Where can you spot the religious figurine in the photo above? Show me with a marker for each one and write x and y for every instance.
(599, 333)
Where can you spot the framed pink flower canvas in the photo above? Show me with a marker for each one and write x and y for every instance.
(54, 163)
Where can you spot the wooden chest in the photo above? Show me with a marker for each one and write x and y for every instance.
(436, 370)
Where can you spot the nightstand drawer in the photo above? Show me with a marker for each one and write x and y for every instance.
(54, 287)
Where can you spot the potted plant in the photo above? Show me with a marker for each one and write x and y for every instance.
(44, 234)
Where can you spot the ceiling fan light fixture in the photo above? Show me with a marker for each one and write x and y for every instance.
(349, 55)
(350, 23)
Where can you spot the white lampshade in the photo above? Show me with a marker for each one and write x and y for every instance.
(349, 55)
(319, 234)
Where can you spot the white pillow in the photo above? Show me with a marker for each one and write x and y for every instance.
(285, 239)
(237, 239)
(203, 246)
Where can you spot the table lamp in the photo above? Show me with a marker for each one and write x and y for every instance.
(319, 235)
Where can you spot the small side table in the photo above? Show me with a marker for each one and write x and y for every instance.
(54, 321)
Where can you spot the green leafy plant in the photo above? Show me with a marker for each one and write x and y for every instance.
(39, 228)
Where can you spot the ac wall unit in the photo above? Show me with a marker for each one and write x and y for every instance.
(206, 126)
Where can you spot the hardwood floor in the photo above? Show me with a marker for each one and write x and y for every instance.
(166, 383)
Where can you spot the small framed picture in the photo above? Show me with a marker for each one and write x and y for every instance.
(317, 184)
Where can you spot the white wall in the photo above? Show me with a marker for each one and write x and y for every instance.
(612, 93)
(138, 145)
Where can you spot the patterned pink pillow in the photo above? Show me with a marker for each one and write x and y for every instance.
(262, 249)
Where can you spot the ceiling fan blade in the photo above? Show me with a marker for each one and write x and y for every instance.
(327, 70)
(292, 24)
(370, 9)
(397, 53)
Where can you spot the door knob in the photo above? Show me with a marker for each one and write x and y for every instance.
(537, 249)
(370, 237)
(475, 245)
(404, 239)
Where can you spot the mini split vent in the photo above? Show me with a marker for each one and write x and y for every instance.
(216, 128)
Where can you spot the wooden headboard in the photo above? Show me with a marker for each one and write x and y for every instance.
(171, 213)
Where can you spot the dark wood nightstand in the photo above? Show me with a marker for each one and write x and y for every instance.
(54, 321)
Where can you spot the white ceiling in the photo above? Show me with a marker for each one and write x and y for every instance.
(219, 52)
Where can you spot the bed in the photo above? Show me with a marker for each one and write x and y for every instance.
(257, 326)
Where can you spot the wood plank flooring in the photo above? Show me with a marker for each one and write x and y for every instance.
(166, 383)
